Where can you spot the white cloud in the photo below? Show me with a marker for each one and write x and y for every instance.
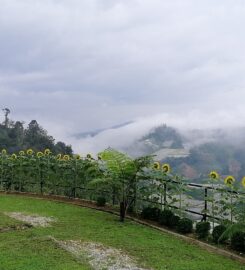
(79, 65)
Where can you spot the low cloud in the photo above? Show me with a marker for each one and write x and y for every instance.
(195, 127)
(82, 65)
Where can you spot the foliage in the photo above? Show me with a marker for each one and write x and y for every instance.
(101, 201)
(165, 217)
(185, 225)
(120, 176)
(15, 137)
(151, 213)
(231, 229)
(174, 221)
(25, 169)
(238, 241)
(202, 229)
(217, 232)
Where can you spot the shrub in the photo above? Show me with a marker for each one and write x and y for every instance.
(185, 225)
(238, 241)
(202, 229)
(101, 201)
(165, 217)
(151, 213)
(217, 232)
(174, 221)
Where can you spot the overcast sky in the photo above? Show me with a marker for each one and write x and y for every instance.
(77, 65)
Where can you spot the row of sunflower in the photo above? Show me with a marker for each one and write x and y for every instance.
(29, 170)
(228, 180)
(224, 196)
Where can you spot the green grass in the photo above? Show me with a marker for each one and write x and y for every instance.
(29, 249)
(6, 221)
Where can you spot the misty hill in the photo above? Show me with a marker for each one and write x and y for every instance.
(196, 153)
(162, 141)
(93, 133)
(15, 137)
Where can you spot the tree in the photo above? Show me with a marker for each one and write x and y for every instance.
(6, 113)
(120, 176)
(61, 147)
(36, 136)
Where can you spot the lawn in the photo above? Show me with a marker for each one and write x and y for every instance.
(31, 248)
(6, 221)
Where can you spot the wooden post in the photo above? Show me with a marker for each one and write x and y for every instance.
(205, 204)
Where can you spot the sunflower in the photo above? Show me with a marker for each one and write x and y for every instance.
(66, 157)
(166, 168)
(229, 180)
(47, 152)
(214, 175)
(4, 151)
(243, 181)
(22, 153)
(29, 152)
(89, 156)
(13, 156)
(59, 156)
(39, 154)
(77, 157)
(156, 165)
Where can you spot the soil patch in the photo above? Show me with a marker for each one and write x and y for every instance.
(33, 220)
(99, 256)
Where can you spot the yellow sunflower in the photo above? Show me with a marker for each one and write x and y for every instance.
(13, 156)
(156, 165)
(214, 175)
(243, 181)
(229, 180)
(29, 152)
(59, 156)
(66, 157)
(4, 151)
(166, 168)
(77, 157)
(22, 153)
(89, 156)
(47, 152)
(39, 154)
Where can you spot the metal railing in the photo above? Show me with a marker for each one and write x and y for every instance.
(91, 194)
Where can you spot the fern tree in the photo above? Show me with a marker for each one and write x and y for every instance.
(120, 176)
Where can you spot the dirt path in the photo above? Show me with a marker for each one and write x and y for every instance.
(33, 220)
(99, 256)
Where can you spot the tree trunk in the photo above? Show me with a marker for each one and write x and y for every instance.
(122, 211)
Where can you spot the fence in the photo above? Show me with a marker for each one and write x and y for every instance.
(199, 207)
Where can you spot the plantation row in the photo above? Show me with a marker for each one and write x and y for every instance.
(138, 185)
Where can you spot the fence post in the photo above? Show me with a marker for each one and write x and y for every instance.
(165, 195)
(205, 204)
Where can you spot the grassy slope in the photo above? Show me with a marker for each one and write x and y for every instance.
(29, 250)
(6, 221)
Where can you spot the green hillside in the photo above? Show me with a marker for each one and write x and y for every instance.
(14, 136)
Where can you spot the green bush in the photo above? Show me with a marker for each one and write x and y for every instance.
(101, 201)
(217, 232)
(238, 241)
(174, 221)
(202, 229)
(185, 225)
(151, 213)
(165, 217)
